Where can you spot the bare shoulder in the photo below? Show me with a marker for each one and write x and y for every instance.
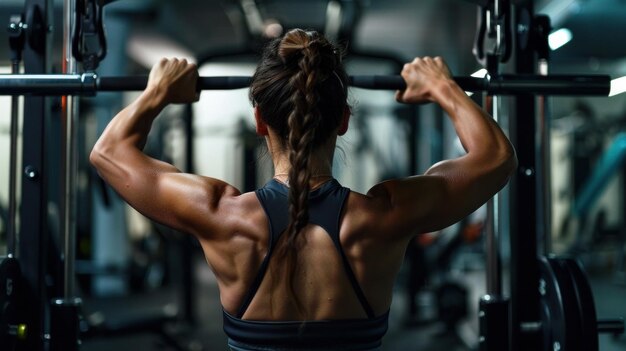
(394, 209)
(366, 216)
(231, 213)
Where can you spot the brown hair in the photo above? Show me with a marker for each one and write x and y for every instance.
(300, 88)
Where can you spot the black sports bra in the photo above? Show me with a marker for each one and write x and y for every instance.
(325, 207)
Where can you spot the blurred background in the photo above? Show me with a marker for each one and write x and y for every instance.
(151, 286)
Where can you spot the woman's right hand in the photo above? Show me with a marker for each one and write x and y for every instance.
(423, 76)
(174, 81)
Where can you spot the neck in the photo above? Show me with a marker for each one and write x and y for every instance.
(321, 161)
(282, 169)
(318, 176)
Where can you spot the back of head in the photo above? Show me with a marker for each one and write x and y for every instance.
(300, 89)
(302, 70)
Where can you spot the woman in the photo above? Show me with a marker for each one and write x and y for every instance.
(304, 263)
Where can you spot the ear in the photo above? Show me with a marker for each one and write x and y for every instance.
(261, 127)
(345, 121)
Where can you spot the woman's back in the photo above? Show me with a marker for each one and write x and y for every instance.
(322, 283)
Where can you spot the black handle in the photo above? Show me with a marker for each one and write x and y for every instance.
(204, 83)
(65, 84)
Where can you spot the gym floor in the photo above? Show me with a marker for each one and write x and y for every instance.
(207, 333)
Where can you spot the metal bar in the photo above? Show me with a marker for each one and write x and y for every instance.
(494, 273)
(524, 270)
(204, 83)
(614, 326)
(544, 174)
(70, 165)
(85, 84)
(551, 85)
(12, 227)
(47, 84)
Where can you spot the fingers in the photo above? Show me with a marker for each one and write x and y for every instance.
(176, 78)
(420, 76)
(175, 65)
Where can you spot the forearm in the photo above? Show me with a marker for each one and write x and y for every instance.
(119, 150)
(131, 125)
(479, 134)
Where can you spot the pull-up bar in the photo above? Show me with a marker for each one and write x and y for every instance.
(90, 84)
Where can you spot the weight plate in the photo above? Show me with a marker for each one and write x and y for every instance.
(586, 305)
(552, 313)
(560, 317)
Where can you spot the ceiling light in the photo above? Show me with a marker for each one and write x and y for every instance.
(481, 73)
(618, 86)
(559, 38)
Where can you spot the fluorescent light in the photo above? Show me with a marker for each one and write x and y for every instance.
(481, 73)
(559, 38)
(618, 86)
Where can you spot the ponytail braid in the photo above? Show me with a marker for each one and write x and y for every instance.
(296, 74)
(303, 123)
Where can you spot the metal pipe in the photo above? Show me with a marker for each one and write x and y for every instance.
(47, 84)
(12, 225)
(614, 326)
(90, 83)
(544, 179)
(494, 274)
(70, 165)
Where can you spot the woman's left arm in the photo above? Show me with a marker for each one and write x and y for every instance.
(157, 189)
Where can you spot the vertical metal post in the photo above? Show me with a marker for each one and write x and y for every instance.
(544, 179)
(541, 29)
(12, 228)
(493, 306)
(494, 311)
(69, 171)
(33, 242)
(17, 35)
(494, 273)
(65, 312)
(188, 283)
(523, 195)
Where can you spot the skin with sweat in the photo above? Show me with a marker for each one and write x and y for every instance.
(375, 228)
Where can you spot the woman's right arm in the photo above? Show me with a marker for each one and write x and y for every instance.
(451, 189)
(186, 202)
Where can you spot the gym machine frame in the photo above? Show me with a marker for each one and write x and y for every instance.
(23, 315)
(551, 305)
(525, 312)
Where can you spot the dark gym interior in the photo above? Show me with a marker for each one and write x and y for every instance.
(144, 286)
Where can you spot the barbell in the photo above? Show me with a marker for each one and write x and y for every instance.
(90, 83)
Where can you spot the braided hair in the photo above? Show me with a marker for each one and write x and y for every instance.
(300, 88)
